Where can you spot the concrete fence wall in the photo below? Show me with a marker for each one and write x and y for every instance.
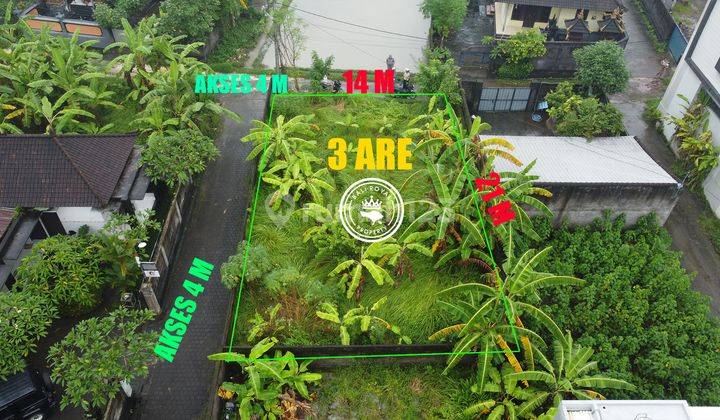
(580, 204)
(660, 18)
(166, 245)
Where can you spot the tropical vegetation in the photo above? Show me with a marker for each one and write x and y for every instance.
(601, 67)
(575, 115)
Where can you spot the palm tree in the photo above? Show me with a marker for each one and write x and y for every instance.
(352, 272)
(298, 176)
(566, 377)
(282, 139)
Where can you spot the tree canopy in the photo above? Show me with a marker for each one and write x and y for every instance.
(637, 309)
(602, 67)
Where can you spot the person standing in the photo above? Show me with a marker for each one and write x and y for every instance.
(390, 62)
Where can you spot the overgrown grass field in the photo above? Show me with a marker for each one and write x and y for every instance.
(411, 303)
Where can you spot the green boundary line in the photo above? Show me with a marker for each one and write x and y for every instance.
(248, 236)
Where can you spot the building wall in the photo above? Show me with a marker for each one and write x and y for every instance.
(504, 25)
(72, 218)
(581, 204)
(686, 82)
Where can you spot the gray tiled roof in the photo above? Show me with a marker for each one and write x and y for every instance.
(604, 5)
(65, 170)
(609, 160)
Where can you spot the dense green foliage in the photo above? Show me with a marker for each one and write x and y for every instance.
(67, 269)
(439, 74)
(585, 117)
(518, 52)
(194, 19)
(176, 157)
(98, 353)
(602, 67)
(320, 68)
(258, 265)
(637, 310)
(446, 15)
(651, 114)
(111, 15)
(697, 150)
(24, 319)
(238, 37)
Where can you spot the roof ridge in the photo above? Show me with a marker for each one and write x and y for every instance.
(72, 163)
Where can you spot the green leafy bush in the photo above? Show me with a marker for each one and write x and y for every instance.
(258, 265)
(651, 114)
(238, 37)
(602, 67)
(111, 15)
(98, 353)
(586, 117)
(697, 150)
(320, 67)
(437, 75)
(67, 269)
(560, 94)
(518, 52)
(194, 19)
(268, 381)
(638, 309)
(24, 319)
(175, 157)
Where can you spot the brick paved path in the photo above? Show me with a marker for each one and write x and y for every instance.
(182, 389)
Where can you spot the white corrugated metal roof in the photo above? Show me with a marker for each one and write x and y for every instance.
(612, 160)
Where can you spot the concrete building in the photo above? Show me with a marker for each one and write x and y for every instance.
(698, 73)
(571, 20)
(634, 410)
(588, 177)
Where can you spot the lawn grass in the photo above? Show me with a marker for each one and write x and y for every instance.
(412, 301)
(392, 392)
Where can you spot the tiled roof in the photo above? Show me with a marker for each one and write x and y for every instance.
(576, 160)
(6, 217)
(603, 5)
(65, 170)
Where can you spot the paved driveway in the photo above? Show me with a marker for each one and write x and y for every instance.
(182, 389)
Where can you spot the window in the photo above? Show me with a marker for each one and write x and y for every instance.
(584, 12)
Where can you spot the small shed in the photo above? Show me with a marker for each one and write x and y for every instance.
(588, 177)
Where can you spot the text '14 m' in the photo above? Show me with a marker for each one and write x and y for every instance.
(384, 81)
(499, 213)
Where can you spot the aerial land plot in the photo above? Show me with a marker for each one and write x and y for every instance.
(329, 260)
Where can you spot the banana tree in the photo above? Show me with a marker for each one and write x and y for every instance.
(351, 273)
(500, 397)
(506, 298)
(55, 116)
(281, 139)
(296, 176)
(399, 258)
(567, 376)
(267, 378)
(447, 205)
(361, 316)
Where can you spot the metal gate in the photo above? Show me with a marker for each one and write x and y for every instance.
(677, 44)
(504, 99)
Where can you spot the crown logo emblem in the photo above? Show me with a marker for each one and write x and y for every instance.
(371, 204)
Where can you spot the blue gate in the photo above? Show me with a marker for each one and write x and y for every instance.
(677, 43)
